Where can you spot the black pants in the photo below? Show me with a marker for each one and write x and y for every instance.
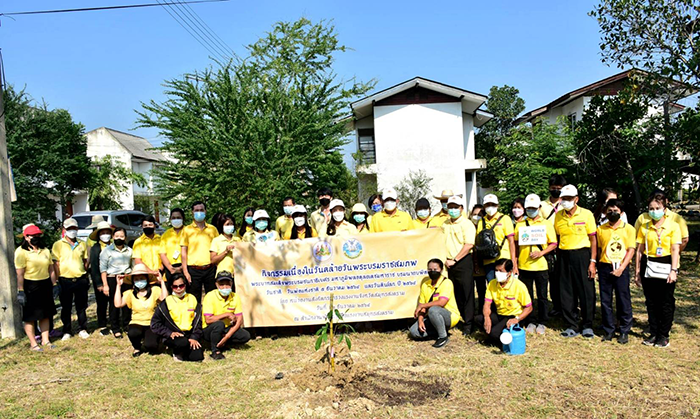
(216, 331)
(660, 301)
(181, 347)
(461, 275)
(119, 318)
(498, 323)
(74, 291)
(574, 281)
(620, 286)
(201, 277)
(102, 302)
(143, 334)
(553, 265)
(481, 284)
(538, 279)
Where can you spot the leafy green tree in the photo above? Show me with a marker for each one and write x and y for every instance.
(109, 179)
(250, 133)
(414, 186)
(49, 161)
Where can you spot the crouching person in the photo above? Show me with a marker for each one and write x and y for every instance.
(178, 319)
(223, 318)
(510, 299)
(437, 304)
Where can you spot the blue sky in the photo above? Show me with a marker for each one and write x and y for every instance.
(101, 65)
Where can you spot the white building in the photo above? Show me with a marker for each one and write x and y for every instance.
(419, 124)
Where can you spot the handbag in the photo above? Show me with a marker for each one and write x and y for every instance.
(657, 270)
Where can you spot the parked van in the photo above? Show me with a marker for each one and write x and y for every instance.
(129, 220)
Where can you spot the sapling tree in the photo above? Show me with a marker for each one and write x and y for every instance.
(333, 335)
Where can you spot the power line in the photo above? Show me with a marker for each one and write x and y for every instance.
(213, 54)
(91, 9)
(221, 41)
(202, 31)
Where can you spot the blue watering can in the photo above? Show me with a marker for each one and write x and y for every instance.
(513, 340)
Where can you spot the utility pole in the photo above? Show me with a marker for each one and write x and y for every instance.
(10, 321)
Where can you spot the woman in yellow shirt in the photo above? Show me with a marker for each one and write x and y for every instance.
(302, 229)
(246, 222)
(35, 280)
(261, 231)
(422, 214)
(359, 217)
(338, 226)
(223, 244)
(142, 301)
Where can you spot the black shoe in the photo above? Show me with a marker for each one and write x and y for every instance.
(105, 332)
(650, 341)
(623, 338)
(608, 337)
(554, 313)
(662, 343)
(440, 342)
(137, 354)
(217, 356)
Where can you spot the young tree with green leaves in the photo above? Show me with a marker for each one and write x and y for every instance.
(414, 186)
(110, 179)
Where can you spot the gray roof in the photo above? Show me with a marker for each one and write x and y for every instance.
(139, 147)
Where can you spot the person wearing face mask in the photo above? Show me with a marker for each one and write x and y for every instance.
(502, 227)
(142, 300)
(517, 208)
(548, 210)
(223, 317)
(459, 240)
(320, 218)
(391, 219)
(222, 246)
(70, 256)
(438, 219)
(645, 218)
(284, 223)
(302, 229)
(507, 301)
(170, 246)
(178, 320)
(359, 218)
(116, 259)
(246, 223)
(102, 236)
(603, 197)
(616, 246)
(96, 219)
(195, 242)
(146, 248)
(532, 262)
(261, 232)
(476, 214)
(437, 304)
(578, 248)
(422, 219)
(338, 226)
(550, 206)
(375, 204)
(659, 244)
(35, 280)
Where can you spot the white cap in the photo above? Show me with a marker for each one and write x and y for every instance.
(490, 199)
(532, 201)
(299, 209)
(390, 194)
(70, 222)
(568, 191)
(336, 203)
(260, 214)
(455, 199)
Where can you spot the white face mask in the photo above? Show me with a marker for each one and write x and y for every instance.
(228, 229)
(177, 223)
(299, 221)
(339, 216)
(490, 211)
(390, 205)
(501, 277)
(106, 238)
(71, 234)
(567, 205)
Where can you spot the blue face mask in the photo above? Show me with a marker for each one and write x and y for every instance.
(249, 220)
(287, 210)
(532, 213)
(423, 214)
(261, 225)
(140, 283)
(454, 213)
(444, 206)
(359, 218)
(377, 207)
(656, 215)
(199, 216)
(225, 292)
(228, 229)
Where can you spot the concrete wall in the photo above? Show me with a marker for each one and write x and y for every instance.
(100, 143)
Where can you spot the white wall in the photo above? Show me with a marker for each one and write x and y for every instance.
(99, 144)
(577, 106)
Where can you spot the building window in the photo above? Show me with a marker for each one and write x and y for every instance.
(572, 119)
(366, 146)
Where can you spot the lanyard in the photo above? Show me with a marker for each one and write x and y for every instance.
(435, 290)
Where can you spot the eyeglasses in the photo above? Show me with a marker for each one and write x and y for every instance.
(177, 287)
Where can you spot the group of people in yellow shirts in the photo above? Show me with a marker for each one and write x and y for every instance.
(152, 291)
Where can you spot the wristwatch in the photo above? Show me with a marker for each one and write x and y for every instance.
(676, 270)
(517, 318)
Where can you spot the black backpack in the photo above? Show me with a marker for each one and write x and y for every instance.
(487, 246)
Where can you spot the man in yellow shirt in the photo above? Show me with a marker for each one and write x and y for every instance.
(70, 256)
(391, 218)
(422, 219)
(531, 258)
(284, 222)
(437, 303)
(549, 209)
(170, 250)
(502, 227)
(459, 240)
(578, 247)
(195, 243)
(147, 246)
(510, 299)
(675, 217)
(223, 316)
(320, 218)
(442, 215)
(616, 245)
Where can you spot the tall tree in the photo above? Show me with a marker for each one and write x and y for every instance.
(250, 133)
(110, 178)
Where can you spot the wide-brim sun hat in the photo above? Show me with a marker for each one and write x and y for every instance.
(102, 225)
(139, 269)
(445, 194)
(96, 219)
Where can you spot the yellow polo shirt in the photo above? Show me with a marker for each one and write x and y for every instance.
(398, 221)
(283, 224)
(34, 262)
(345, 229)
(502, 230)
(71, 258)
(670, 233)
(673, 216)
(182, 310)
(418, 223)
(214, 304)
(148, 250)
(365, 230)
(318, 220)
(510, 300)
(609, 236)
(219, 245)
(573, 231)
(438, 219)
(458, 233)
(198, 243)
(524, 261)
(142, 309)
(302, 235)
(170, 245)
(443, 290)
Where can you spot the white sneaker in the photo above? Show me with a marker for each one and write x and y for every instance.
(84, 334)
(177, 358)
(540, 329)
(66, 336)
(531, 328)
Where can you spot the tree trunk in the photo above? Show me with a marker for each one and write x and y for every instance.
(635, 185)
